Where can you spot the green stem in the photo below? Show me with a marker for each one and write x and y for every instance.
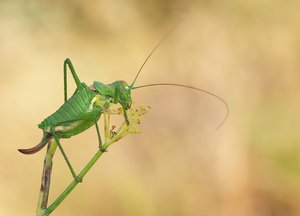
(74, 183)
(122, 131)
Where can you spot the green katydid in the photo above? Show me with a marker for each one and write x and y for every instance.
(84, 108)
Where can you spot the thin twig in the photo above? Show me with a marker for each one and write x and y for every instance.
(46, 177)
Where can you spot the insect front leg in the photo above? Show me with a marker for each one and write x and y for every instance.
(125, 115)
(118, 97)
(65, 156)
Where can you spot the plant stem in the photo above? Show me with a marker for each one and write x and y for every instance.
(110, 138)
(74, 183)
(46, 177)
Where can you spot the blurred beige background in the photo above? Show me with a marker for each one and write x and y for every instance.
(245, 51)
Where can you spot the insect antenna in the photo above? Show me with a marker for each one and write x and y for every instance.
(158, 44)
(175, 84)
(193, 88)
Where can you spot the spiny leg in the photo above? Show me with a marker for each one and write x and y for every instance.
(125, 115)
(76, 79)
(99, 137)
(65, 156)
(122, 102)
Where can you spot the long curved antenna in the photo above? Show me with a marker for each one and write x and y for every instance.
(194, 88)
(153, 50)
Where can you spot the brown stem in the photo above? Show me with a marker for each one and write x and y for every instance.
(46, 177)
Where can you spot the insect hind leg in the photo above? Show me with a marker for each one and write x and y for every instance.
(76, 177)
(79, 85)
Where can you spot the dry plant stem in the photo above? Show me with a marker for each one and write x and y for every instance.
(46, 177)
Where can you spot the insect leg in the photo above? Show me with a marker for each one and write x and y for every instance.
(65, 156)
(99, 137)
(122, 102)
(125, 115)
(76, 79)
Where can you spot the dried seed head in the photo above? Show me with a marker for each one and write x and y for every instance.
(134, 116)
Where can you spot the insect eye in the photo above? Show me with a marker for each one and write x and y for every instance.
(126, 88)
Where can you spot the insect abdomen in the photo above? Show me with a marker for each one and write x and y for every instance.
(78, 105)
